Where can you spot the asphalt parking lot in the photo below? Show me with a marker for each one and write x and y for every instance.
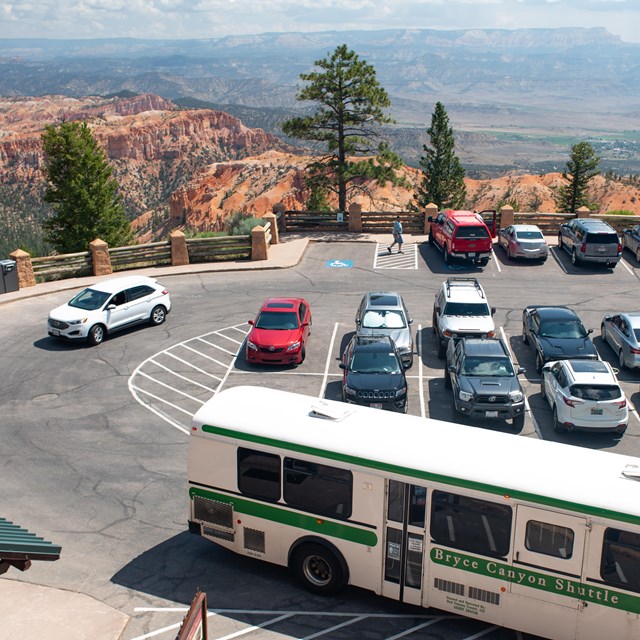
(94, 453)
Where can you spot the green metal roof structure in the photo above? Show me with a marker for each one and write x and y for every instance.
(18, 547)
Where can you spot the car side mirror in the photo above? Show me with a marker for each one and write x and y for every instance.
(342, 365)
(493, 310)
(452, 368)
(304, 324)
(546, 367)
(436, 309)
(410, 320)
(250, 322)
(589, 331)
(111, 307)
(520, 370)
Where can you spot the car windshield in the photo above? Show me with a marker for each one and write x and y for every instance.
(595, 392)
(467, 309)
(472, 232)
(374, 362)
(89, 300)
(383, 319)
(529, 235)
(283, 320)
(487, 367)
(636, 333)
(563, 329)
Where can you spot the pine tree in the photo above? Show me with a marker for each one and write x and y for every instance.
(81, 191)
(581, 167)
(350, 109)
(443, 179)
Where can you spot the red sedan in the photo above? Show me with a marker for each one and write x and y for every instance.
(279, 334)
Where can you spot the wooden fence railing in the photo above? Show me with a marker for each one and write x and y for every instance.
(219, 249)
(138, 256)
(68, 265)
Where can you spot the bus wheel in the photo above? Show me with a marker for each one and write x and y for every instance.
(318, 569)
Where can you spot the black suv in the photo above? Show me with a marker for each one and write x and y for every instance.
(373, 374)
(484, 381)
(590, 240)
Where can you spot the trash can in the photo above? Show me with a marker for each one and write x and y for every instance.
(9, 276)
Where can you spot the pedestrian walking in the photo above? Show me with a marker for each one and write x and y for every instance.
(397, 235)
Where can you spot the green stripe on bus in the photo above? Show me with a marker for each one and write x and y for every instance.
(425, 475)
(536, 580)
(315, 524)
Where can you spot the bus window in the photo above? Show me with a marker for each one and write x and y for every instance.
(259, 474)
(395, 501)
(417, 503)
(621, 559)
(471, 524)
(318, 488)
(549, 539)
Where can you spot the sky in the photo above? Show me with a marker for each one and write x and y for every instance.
(183, 19)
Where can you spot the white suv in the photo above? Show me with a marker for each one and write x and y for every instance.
(461, 310)
(108, 306)
(584, 394)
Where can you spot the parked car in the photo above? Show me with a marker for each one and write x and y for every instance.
(384, 313)
(373, 374)
(484, 380)
(631, 240)
(280, 332)
(461, 310)
(584, 394)
(461, 234)
(590, 240)
(556, 333)
(523, 241)
(622, 332)
(109, 306)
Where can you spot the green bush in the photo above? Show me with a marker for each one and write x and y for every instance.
(240, 224)
(620, 212)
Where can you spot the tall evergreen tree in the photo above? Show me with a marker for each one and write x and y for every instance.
(443, 179)
(350, 105)
(81, 191)
(581, 167)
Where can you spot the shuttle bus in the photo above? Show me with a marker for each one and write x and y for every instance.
(536, 536)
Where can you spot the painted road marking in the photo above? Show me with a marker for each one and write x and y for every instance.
(408, 259)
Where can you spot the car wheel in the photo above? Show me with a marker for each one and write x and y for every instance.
(509, 256)
(622, 429)
(539, 363)
(621, 363)
(158, 315)
(518, 422)
(447, 380)
(483, 262)
(560, 246)
(318, 569)
(558, 427)
(603, 332)
(442, 349)
(525, 337)
(96, 334)
(574, 257)
(431, 240)
(447, 259)
(433, 323)
(638, 254)
(543, 391)
(303, 354)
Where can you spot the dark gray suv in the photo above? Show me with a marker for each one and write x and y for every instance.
(484, 381)
(590, 240)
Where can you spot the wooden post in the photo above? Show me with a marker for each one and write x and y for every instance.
(271, 217)
(100, 259)
(179, 251)
(24, 268)
(259, 246)
(506, 216)
(355, 218)
(430, 211)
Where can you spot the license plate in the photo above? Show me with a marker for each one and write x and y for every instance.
(491, 414)
(55, 332)
(596, 412)
(376, 405)
(602, 249)
(472, 255)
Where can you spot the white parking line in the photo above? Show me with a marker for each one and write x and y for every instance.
(420, 378)
(255, 627)
(627, 267)
(167, 386)
(334, 628)
(218, 333)
(497, 262)
(552, 251)
(217, 346)
(189, 364)
(134, 392)
(328, 360)
(178, 375)
(203, 355)
(415, 628)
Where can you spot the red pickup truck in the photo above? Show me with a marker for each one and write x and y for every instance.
(462, 234)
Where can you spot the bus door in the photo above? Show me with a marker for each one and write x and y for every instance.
(404, 542)
(547, 567)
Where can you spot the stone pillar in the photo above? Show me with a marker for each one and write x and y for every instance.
(271, 217)
(259, 246)
(179, 251)
(583, 212)
(100, 259)
(507, 216)
(430, 211)
(279, 211)
(355, 218)
(24, 268)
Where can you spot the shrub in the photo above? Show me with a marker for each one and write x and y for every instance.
(240, 224)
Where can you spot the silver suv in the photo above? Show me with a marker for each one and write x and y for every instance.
(384, 313)
(589, 240)
(461, 310)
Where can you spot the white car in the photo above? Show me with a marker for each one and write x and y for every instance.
(109, 306)
(584, 394)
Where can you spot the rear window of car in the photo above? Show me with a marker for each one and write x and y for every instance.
(595, 392)
(529, 235)
(472, 232)
(602, 238)
(467, 309)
